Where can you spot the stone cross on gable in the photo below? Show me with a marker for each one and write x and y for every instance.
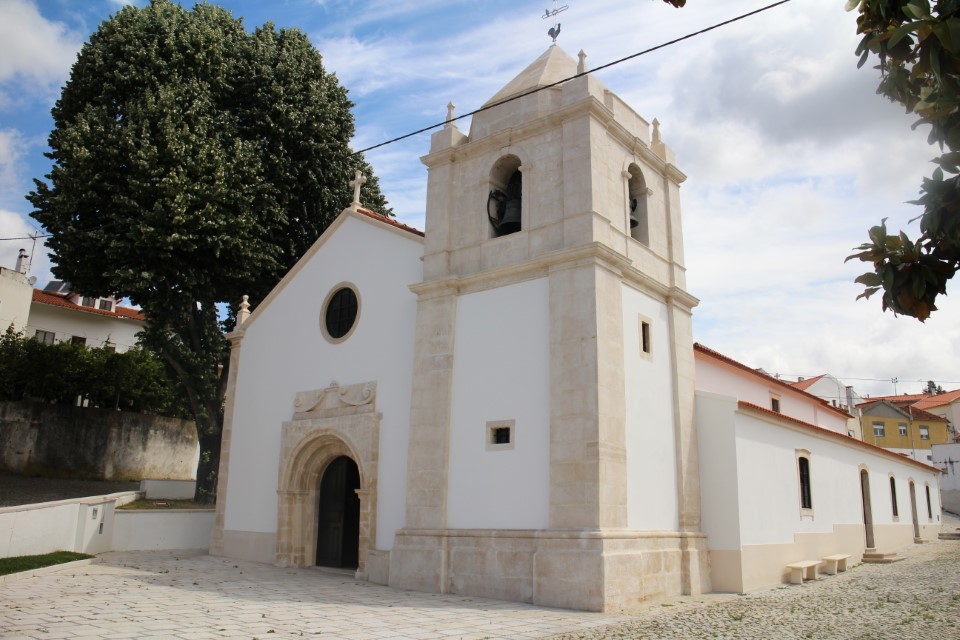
(356, 183)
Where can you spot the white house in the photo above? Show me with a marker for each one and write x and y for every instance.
(843, 396)
(15, 288)
(60, 315)
(505, 406)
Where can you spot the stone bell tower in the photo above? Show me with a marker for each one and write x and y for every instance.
(552, 455)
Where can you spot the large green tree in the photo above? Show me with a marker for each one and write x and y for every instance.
(918, 45)
(194, 162)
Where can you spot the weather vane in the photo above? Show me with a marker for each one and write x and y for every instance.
(549, 13)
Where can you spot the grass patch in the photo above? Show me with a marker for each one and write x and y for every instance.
(27, 563)
(165, 504)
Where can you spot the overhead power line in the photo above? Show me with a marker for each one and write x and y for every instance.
(559, 82)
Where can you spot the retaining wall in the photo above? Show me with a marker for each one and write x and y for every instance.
(97, 444)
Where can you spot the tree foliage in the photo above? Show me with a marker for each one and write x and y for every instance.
(135, 380)
(918, 45)
(194, 162)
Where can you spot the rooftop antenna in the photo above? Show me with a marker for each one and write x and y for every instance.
(549, 13)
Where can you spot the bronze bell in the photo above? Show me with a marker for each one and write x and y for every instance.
(510, 218)
(634, 220)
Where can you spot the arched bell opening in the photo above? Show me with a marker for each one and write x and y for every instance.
(505, 199)
(338, 515)
(637, 205)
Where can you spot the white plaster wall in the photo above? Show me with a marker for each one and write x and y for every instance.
(650, 424)
(501, 371)
(97, 329)
(284, 352)
(15, 295)
(29, 530)
(719, 492)
(768, 482)
(716, 377)
(153, 530)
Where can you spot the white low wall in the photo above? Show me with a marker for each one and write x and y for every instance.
(93, 525)
(168, 489)
(168, 529)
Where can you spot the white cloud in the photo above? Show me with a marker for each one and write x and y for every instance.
(11, 149)
(35, 53)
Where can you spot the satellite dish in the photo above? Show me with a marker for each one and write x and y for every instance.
(32, 280)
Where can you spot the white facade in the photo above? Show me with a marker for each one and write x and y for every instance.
(753, 513)
(523, 407)
(95, 329)
(947, 458)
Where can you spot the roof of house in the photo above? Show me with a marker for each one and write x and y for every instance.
(833, 434)
(62, 300)
(767, 378)
(906, 397)
(907, 408)
(938, 400)
(803, 385)
(390, 221)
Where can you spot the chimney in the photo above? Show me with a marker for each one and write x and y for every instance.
(22, 262)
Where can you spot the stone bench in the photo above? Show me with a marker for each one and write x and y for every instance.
(834, 563)
(805, 569)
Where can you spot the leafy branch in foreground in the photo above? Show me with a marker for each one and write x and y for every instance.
(918, 45)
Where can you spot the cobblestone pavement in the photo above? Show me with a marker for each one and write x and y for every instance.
(918, 597)
(193, 597)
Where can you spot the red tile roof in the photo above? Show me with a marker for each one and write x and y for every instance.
(61, 300)
(767, 378)
(803, 385)
(390, 221)
(839, 436)
(939, 399)
(906, 397)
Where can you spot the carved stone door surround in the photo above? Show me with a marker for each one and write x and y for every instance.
(327, 423)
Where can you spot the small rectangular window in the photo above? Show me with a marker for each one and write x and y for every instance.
(106, 305)
(924, 433)
(109, 346)
(87, 301)
(775, 405)
(500, 434)
(46, 337)
(878, 430)
(902, 427)
(78, 340)
(645, 336)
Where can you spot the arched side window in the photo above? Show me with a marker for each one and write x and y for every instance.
(806, 494)
(637, 205)
(929, 506)
(505, 200)
(893, 496)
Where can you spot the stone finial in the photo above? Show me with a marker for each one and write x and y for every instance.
(656, 131)
(451, 108)
(244, 312)
(582, 65)
(358, 181)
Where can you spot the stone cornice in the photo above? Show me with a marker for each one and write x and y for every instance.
(541, 266)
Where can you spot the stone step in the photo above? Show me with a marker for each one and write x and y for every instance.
(872, 557)
(950, 535)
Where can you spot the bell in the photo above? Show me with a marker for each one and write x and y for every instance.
(510, 221)
(634, 220)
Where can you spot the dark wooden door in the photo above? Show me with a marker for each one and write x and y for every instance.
(338, 526)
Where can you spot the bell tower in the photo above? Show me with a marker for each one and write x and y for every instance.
(552, 455)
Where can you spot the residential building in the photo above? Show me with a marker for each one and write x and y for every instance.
(903, 428)
(58, 314)
(15, 288)
(840, 395)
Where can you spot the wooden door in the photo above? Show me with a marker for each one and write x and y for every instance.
(338, 525)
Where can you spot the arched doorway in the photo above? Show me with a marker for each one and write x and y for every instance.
(338, 515)
(867, 507)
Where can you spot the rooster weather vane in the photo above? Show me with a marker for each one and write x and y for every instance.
(549, 13)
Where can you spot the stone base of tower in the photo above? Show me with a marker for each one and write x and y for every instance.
(587, 570)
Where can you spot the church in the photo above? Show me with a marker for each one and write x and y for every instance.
(511, 404)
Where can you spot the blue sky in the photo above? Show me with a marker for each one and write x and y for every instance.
(790, 156)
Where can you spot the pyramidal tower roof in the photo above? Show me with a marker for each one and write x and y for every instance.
(553, 65)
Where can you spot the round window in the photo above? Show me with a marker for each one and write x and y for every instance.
(340, 315)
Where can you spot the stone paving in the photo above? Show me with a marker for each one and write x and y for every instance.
(194, 597)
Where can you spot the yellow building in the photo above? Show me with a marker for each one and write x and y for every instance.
(902, 428)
